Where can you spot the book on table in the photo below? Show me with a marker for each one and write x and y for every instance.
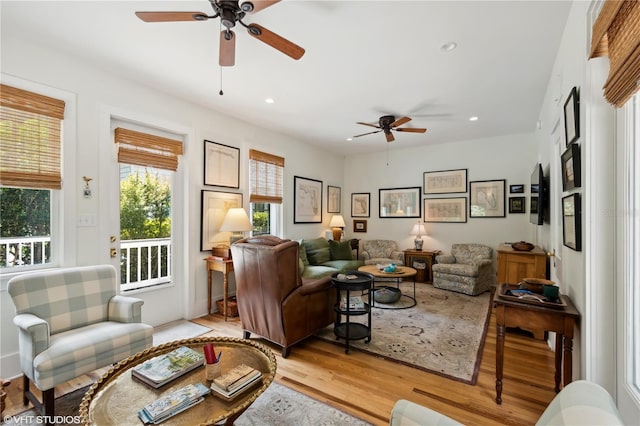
(354, 303)
(173, 403)
(235, 381)
(164, 368)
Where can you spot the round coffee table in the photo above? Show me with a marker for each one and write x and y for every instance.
(401, 273)
(116, 397)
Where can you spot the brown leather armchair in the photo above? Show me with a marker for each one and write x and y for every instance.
(273, 300)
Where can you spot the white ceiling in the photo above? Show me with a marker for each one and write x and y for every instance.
(363, 59)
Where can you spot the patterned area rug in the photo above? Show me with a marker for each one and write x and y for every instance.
(278, 405)
(443, 334)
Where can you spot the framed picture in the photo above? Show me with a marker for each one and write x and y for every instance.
(517, 205)
(359, 225)
(570, 161)
(445, 181)
(360, 202)
(399, 202)
(214, 206)
(572, 117)
(572, 222)
(307, 200)
(516, 189)
(333, 199)
(487, 198)
(447, 210)
(221, 165)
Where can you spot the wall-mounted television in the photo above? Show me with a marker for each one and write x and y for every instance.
(538, 201)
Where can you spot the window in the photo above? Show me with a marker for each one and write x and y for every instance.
(266, 188)
(30, 168)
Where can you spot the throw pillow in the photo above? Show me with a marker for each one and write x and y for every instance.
(302, 253)
(340, 250)
(317, 251)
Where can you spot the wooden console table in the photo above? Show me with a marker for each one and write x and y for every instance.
(541, 318)
(225, 266)
(428, 257)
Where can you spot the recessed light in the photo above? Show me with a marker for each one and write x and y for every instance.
(269, 100)
(474, 118)
(349, 139)
(448, 47)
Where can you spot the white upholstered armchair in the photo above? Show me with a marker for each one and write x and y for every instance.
(72, 322)
(467, 269)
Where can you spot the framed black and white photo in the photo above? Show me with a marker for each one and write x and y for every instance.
(360, 202)
(445, 210)
(572, 117)
(214, 207)
(333, 199)
(517, 205)
(445, 181)
(572, 222)
(307, 200)
(399, 202)
(360, 225)
(487, 198)
(570, 162)
(516, 189)
(221, 165)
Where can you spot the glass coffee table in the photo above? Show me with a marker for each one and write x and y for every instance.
(116, 397)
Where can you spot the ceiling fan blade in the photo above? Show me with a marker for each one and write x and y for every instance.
(389, 136)
(368, 124)
(227, 48)
(365, 134)
(277, 42)
(255, 6)
(171, 16)
(400, 121)
(410, 129)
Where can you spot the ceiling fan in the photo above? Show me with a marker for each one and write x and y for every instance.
(231, 12)
(387, 123)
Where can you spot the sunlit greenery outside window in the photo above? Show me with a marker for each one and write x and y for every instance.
(261, 218)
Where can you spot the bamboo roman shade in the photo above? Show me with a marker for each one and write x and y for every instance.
(143, 149)
(266, 177)
(30, 139)
(616, 33)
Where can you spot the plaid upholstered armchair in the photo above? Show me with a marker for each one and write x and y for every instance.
(72, 322)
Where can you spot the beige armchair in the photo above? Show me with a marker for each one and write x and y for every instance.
(381, 251)
(468, 269)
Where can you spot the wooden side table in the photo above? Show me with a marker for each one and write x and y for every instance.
(225, 266)
(510, 313)
(428, 257)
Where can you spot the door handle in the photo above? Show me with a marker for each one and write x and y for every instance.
(553, 255)
(113, 252)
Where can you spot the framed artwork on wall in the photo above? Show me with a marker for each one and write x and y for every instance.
(445, 210)
(399, 202)
(487, 198)
(334, 196)
(572, 117)
(360, 202)
(517, 204)
(214, 207)
(445, 181)
(570, 162)
(307, 200)
(221, 165)
(572, 222)
(359, 225)
(516, 189)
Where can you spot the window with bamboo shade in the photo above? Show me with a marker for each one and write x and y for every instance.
(143, 149)
(266, 177)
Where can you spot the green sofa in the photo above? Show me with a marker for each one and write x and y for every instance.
(320, 257)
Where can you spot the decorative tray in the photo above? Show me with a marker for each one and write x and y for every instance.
(510, 292)
(397, 271)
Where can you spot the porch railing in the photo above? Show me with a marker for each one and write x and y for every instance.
(144, 263)
(24, 251)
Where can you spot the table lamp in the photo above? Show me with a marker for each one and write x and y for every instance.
(418, 230)
(337, 225)
(237, 222)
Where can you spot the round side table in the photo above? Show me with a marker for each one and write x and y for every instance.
(351, 286)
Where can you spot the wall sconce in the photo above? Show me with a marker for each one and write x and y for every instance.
(237, 222)
(337, 225)
(418, 230)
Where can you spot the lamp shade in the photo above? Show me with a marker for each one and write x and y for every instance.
(418, 229)
(236, 220)
(337, 221)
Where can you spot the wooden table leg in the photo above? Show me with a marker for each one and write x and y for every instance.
(568, 360)
(225, 295)
(499, 357)
(558, 359)
(209, 291)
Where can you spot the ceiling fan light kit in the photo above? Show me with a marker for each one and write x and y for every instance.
(388, 123)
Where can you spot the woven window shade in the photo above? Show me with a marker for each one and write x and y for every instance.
(30, 134)
(143, 149)
(266, 173)
(616, 33)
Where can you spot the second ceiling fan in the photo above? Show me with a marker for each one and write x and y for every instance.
(388, 123)
(231, 12)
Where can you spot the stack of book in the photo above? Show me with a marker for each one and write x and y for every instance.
(164, 368)
(355, 303)
(173, 403)
(235, 381)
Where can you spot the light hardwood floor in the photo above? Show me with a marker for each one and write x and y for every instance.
(367, 386)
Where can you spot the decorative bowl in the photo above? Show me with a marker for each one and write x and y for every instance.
(522, 246)
(387, 295)
(535, 284)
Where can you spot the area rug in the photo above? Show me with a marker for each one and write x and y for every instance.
(177, 330)
(443, 334)
(278, 405)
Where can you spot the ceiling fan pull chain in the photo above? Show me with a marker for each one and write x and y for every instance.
(221, 92)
